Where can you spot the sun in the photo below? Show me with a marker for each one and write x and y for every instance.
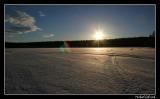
(99, 35)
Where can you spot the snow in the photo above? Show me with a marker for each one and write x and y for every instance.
(80, 70)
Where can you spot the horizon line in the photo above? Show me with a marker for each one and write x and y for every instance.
(73, 40)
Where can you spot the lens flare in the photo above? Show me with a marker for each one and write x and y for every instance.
(65, 48)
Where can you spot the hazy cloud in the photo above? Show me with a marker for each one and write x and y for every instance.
(41, 13)
(48, 35)
(10, 36)
(20, 23)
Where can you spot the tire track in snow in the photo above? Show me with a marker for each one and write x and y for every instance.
(111, 54)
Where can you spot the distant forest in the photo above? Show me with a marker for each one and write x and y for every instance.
(120, 42)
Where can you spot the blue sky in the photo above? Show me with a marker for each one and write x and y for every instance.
(31, 23)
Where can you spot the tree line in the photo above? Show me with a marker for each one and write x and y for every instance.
(120, 42)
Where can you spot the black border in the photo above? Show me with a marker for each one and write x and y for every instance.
(80, 1)
(2, 49)
(157, 48)
(157, 2)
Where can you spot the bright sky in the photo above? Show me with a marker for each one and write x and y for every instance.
(30, 23)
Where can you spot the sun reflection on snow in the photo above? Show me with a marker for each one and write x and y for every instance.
(114, 60)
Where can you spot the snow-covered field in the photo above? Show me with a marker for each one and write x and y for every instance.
(80, 71)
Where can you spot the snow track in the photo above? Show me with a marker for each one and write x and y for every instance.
(80, 71)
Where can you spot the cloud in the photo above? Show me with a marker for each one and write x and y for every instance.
(48, 35)
(20, 23)
(10, 36)
(41, 13)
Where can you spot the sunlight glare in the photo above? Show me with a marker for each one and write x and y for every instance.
(99, 35)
